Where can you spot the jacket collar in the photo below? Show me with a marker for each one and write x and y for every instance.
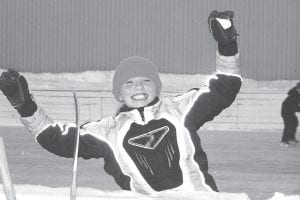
(124, 108)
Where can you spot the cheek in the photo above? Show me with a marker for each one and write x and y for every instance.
(125, 91)
(151, 92)
(123, 95)
(152, 89)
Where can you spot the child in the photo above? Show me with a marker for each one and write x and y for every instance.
(151, 144)
(289, 107)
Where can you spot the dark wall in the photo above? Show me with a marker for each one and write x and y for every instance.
(79, 35)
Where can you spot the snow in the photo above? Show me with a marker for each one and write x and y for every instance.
(280, 196)
(101, 81)
(38, 192)
(31, 192)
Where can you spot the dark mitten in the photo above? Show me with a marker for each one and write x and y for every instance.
(222, 28)
(14, 86)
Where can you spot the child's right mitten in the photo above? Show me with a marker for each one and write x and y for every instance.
(14, 86)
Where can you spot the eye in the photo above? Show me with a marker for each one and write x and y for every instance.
(129, 82)
(147, 80)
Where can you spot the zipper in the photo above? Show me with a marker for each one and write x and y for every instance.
(141, 111)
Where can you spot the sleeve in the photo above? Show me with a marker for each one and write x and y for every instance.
(59, 139)
(297, 106)
(298, 103)
(201, 105)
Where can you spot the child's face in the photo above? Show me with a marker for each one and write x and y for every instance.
(138, 92)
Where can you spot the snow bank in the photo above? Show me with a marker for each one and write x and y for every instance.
(101, 80)
(38, 192)
(280, 196)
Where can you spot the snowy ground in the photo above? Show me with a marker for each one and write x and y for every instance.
(29, 192)
(38, 192)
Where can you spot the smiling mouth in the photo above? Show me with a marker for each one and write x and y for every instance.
(139, 97)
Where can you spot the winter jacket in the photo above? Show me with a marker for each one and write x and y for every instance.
(151, 149)
(291, 104)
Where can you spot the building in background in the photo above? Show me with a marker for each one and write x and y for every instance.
(76, 35)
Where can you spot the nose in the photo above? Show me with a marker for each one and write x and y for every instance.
(139, 85)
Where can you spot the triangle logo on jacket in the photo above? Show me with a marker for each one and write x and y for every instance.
(149, 140)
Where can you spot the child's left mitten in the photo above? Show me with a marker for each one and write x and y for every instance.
(223, 31)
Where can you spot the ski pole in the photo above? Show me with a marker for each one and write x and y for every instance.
(75, 153)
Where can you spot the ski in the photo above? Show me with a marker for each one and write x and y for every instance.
(5, 174)
(75, 153)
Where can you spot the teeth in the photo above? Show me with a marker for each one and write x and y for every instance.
(139, 96)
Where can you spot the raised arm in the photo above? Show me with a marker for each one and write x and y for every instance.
(202, 105)
(53, 136)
